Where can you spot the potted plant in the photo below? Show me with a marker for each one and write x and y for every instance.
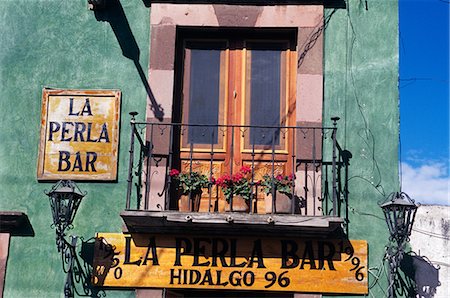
(281, 187)
(237, 189)
(190, 187)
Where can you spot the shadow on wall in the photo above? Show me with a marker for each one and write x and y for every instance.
(421, 277)
(95, 274)
(115, 16)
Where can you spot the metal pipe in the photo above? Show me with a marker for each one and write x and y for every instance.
(211, 170)
(326, 190)
(241, 126)
(274, 194)
(69, 285)
(149, 168)
(306, 188)
(169, 167)
(314, 171)
(333, 136)
(293, 201)
(253, 186)
(131, 161)
(346, 197)
(191, 152)
(231, 166)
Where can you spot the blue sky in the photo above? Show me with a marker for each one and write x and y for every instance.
(424, 99)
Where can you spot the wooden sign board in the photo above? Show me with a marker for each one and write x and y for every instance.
(79, 135)
(231, 263)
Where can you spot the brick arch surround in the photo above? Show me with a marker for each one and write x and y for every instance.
(165, 17)
(307, 19)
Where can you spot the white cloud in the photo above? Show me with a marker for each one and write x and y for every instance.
(427, 183)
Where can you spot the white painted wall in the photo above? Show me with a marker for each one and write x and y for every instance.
(431, 238)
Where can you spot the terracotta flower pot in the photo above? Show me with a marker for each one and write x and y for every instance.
(239, 205)
(186, 205)
(283, 203)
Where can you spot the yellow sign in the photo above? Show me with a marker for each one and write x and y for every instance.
(231, 263)
(79, 134)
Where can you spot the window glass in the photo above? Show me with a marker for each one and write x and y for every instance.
(265, 91)
(203, 91)
(258, 72)
(264, 95)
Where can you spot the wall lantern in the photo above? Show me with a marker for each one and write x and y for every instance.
(399, 211)
(65, 198)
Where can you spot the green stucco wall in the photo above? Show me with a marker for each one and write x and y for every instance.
(361, 70)
(60, 44)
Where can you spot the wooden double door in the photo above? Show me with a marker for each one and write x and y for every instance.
(235, 93)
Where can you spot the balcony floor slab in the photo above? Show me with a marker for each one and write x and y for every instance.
(230, 223)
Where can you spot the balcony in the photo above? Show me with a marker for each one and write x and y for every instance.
(311, 156)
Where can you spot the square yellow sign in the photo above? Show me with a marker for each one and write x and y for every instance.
(79, 134)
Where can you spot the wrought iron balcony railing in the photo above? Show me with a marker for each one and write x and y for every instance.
(310, 156)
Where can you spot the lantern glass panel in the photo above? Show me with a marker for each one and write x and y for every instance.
(65, 199)
(399, 212)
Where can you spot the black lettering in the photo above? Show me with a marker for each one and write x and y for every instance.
(86, 108)
(151, 247)
(248, 278)
(54, 127)
(104, 134)
(308, 256)
(77, 164)
(185, 275)
(219, 277)
(118, 273)
(178, 249)
(128, 254)
(257, 252)
(219, 253)
(328, 257)
(289, 258)
(63, 158)
(71, 113)
(89, 130)
(80, 128)
(199, 250)
(233, 244)
(65, 130)
(207, 278)
(173, 276)
(235, 281)
(192, 280)
(90, 162)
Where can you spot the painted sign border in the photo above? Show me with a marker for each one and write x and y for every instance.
(112, 174)
(261, 264)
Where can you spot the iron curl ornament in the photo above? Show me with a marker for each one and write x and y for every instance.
(65, 198)
(399, 212)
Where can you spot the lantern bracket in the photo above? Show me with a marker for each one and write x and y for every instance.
(65, 198)
(399, 212)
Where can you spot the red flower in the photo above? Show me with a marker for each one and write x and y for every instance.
(237, 177)
(212, 180)
(245, 170)
(174, 173)
(291, 177)
(279, 177)
(224, 180)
